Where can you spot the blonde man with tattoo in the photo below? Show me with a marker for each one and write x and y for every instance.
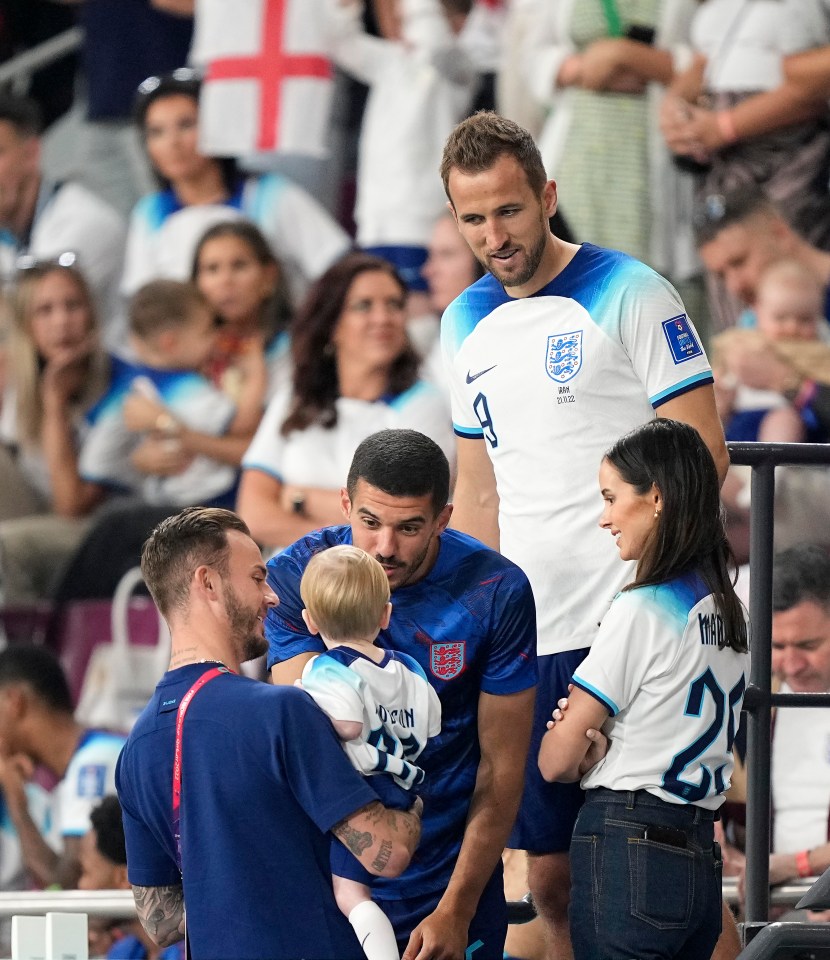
(235, 828)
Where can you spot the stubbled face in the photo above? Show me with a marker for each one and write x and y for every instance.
(788, 312)
(449, 269)
(232, 279)
(627, 515)
(371, 329)
(801, 647)
(60, 318)
(171, 136)
(401, 533)
(247, 596)
(505, 223)
(19, 158)
(739, 254)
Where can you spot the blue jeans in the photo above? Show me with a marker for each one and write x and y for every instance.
(634, 898)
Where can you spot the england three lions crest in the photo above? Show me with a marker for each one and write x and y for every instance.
(563, 360)
(447, 660)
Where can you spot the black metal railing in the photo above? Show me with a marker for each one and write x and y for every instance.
(763, 458)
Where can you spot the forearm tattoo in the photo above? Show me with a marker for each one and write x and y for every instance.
(161, 912)
(356, 841)
(382, 859)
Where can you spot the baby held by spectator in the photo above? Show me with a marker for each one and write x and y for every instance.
(380, 703)
(789, 309)
(172, 332)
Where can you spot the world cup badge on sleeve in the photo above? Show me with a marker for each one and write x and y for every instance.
(563, 359)
(447, 660)
(681, 339)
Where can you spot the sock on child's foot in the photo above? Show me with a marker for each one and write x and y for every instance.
(374, 931)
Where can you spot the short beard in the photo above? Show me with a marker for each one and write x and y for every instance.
(244, 628)
(412, 569)
(534, 258)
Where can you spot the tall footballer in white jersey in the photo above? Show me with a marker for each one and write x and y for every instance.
(550, 359)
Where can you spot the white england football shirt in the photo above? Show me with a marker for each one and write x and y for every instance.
(673, 695)
(551, 382)
(394, 701)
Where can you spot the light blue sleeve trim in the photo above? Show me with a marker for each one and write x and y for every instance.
(324, 671)
(705, 376)
(258, 466)
(597, 695)
(262, 196)
(468, 433)
(417, 388)
(457, 323)
(151, 210)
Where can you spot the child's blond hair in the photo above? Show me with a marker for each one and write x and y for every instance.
(345, 592)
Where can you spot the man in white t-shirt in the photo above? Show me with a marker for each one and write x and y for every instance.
(550, 358)
(800, 768)
(37, 728)
(43, 219)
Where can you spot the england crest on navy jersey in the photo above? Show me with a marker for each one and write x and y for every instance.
(446, 660)
(564, 356)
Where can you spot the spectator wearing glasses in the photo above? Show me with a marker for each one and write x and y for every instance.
(42, 218)
(741, 232)
(198, 191)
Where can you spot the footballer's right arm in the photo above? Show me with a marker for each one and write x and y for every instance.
(383, 840)
(476, 499)
(161, 912)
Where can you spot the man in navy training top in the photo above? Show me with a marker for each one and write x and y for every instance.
(467, 616)
(263, 776)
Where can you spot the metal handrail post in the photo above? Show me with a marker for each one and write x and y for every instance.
(759, 737)
(30, 61)
(763, 458)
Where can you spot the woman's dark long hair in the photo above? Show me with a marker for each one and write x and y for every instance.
(277, 311)
(689, 533)
(316, 386)
(185, 83)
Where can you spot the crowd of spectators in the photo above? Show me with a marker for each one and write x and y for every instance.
(179, 330)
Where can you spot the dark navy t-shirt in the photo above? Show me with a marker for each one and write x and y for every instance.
(471, 625)
(264, 776)
(126, 41)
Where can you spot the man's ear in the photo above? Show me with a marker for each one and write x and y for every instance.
(444, 518)
(206, 579)
(549, 198)
(451, 208)
(345, 502)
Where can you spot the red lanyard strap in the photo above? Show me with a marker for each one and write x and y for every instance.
(206, 677)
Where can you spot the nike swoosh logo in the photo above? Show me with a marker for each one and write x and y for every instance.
(475, 376)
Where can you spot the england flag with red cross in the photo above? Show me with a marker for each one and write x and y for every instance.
(268, 81)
